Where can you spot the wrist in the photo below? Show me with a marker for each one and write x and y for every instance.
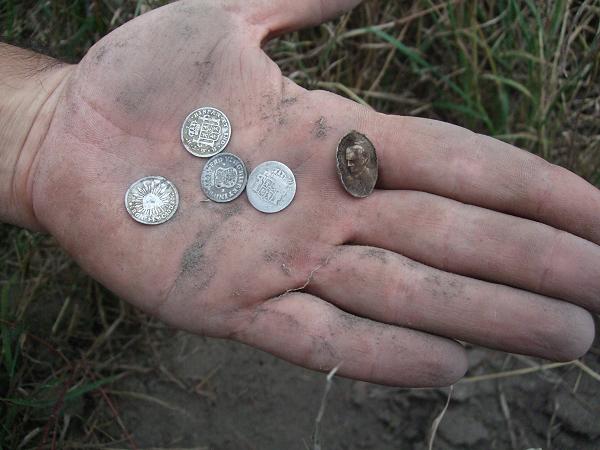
(31, 86)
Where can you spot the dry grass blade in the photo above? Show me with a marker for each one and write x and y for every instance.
(317, 431)
(148, 398)
(529, 370)
(587, 369)
(436, 422)
(514, 373)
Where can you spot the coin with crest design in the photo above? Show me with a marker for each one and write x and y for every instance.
(205, 132)
(224, 177)
(271, 187)
(152, 200)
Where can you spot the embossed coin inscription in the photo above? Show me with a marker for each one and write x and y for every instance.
(152, 200)
(224, 177)
(357, 164)
(271, 187)
(205, 132)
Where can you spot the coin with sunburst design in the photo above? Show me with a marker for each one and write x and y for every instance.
(152, 200)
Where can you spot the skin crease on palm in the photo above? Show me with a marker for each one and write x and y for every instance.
(465, 237)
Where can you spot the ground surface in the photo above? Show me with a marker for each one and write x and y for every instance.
(228, 396)
(80, 369)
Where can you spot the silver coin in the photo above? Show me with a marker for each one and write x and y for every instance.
(205, 132)
(224, 177)
(271, 187)
(152, 200)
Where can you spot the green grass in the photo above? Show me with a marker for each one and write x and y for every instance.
(524, 71)
(55, 334)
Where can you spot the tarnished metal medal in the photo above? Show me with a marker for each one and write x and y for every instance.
(224, 177)
(271, 187)
(357, 164)
(152, 200)
(205, 132)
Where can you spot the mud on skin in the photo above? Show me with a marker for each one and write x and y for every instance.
(226, 211)
(321, 129)
(195, 264)
(376, 253)
(289, 101)
(446, 290)
(280, 258)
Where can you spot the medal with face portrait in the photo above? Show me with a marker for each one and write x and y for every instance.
(357, 164)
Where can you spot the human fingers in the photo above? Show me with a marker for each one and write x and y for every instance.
(280, 16)
(387, 287)
(308, 331)
(450, 161)
(481, 243)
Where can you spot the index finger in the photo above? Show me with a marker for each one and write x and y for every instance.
(447, 160)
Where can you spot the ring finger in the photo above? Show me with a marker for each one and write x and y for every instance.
(387, 287)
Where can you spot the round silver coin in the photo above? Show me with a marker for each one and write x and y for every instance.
(271, 187)
(224, 177)
(152, 200)
(205, 132)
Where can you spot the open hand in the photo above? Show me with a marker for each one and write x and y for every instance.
(464, 238)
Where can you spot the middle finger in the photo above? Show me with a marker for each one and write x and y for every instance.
(481, 243)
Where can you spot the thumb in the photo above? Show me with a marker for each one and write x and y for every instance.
(281, 16)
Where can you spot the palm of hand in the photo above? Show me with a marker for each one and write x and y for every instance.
(227, 269)
(210, 267)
